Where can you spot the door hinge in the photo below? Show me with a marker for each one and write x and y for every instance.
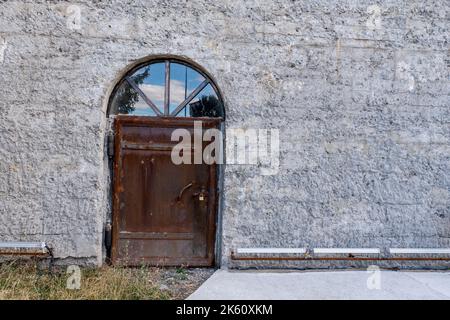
(108, 236)
(110, 146)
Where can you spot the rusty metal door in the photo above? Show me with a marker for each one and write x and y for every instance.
(163, 214)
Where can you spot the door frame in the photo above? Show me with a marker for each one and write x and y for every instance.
(168, 122)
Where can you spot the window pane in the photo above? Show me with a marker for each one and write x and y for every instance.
(205, 104)
(183, 80)
(127, 101)
(150, 79)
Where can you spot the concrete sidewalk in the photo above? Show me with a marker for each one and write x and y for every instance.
(241, 285)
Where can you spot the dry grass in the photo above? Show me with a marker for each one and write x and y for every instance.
(25, 281)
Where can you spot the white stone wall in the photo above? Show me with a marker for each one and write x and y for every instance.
(359, 90)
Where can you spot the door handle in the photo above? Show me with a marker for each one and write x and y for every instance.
(183, 190)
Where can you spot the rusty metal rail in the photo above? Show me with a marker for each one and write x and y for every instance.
(24, 253)
(347, 258)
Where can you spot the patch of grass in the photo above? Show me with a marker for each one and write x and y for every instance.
(181, 273)
(25, 281)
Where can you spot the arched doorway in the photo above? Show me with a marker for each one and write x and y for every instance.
(164, 213)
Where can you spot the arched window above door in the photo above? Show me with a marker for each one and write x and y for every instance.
(166, 87)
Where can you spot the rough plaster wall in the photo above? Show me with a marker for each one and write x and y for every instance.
(361, 100)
